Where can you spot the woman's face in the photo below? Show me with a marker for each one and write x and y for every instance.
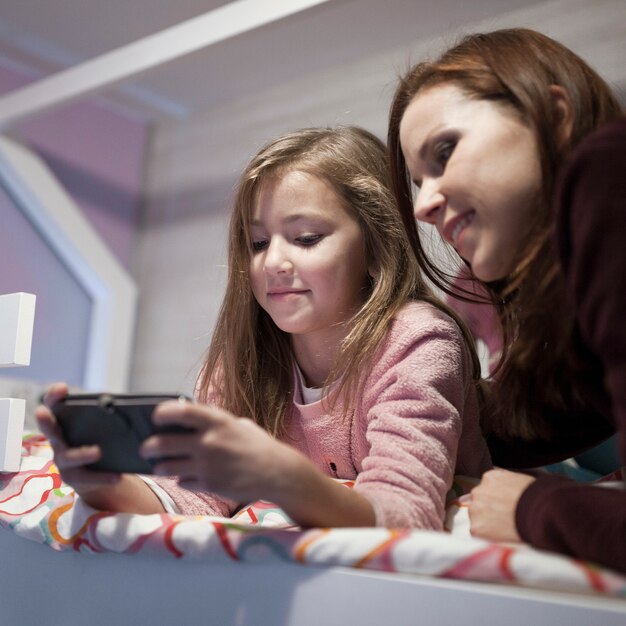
(477, 168)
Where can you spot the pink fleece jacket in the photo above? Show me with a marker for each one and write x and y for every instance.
(414, 426)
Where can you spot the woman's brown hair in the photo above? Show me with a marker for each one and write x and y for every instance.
(516, 69)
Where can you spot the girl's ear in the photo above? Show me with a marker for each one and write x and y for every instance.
(563, 115)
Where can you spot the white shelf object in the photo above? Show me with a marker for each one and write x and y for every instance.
(17, 315)
(12, 412)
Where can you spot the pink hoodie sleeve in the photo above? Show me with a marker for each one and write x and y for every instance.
(195, 501)
(415, 401)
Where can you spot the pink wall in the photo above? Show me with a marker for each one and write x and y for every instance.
(98, 153)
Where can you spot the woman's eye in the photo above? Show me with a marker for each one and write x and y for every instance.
(259, 245)
(443, 151)
(308, 240)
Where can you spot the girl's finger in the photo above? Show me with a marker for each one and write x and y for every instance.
(54, 393)
(183, 413)
(168, 445)
(77, 457)
(45, 419)
(49, 428)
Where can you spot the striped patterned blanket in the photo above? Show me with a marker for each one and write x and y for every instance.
(36, 505)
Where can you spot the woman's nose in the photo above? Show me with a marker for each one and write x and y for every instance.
(428, 203)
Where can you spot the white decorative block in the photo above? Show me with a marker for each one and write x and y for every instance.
(17, 316)
(12, 412)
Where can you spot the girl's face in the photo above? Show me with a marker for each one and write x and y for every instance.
(478, 171)
(308, 266)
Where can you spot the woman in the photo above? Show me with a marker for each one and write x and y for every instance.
(518, 149)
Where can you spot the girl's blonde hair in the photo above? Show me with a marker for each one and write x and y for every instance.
(249, 365)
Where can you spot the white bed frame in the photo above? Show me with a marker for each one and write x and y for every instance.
(41, 586)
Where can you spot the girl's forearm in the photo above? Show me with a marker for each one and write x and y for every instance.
(129, 495)
(312, 499)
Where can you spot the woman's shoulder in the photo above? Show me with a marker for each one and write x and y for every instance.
(593, 176)
(606, 142)
(609, 134)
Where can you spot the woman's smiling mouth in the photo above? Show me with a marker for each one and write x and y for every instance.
(453, 229)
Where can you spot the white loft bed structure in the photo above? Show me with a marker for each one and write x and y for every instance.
(38, 584)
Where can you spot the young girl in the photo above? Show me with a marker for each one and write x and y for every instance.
(330, 345)
(518, 150)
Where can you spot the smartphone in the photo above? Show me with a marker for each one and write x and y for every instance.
(118, 423)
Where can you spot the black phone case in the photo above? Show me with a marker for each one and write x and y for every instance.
(116, 423)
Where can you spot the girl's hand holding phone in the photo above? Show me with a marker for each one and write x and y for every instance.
(71, 462)
(101, 490)
(228, 455)
(236, 458)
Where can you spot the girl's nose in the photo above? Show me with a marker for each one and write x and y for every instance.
(277, 258)
(428, 204)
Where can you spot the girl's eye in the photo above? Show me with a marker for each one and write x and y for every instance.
(259, 245)
(308, 240)
(443, 151)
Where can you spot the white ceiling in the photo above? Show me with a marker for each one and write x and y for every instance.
(335, 63)
(44, 36)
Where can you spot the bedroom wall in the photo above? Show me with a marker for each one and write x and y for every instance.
(193, 166)
(189, 185)
(174, 244)
(98, 155)
(97, 151)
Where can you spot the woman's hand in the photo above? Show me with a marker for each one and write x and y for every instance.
(101, 490)
(493, 504)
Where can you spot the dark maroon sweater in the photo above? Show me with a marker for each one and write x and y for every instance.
(555, 513)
